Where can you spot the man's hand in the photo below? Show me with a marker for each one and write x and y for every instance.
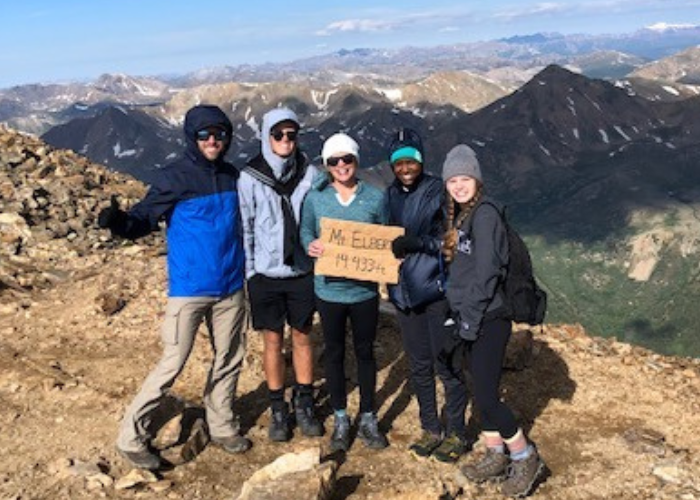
(111, 217)
(403, 245)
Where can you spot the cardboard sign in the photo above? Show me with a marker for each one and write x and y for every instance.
(358, 250)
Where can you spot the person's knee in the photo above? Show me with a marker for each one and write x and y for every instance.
(301, 340)
(273, 341)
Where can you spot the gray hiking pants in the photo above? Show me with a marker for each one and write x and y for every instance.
(225, 320)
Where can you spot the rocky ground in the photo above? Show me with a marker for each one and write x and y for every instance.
(79, 320)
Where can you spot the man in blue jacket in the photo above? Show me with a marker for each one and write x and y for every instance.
(197, 198)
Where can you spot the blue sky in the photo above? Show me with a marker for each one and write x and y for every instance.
(53, 40)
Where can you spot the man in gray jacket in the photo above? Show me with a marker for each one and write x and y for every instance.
(272, 188)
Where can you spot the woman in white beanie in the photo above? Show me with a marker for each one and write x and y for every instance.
(341, 195)
(477, 248)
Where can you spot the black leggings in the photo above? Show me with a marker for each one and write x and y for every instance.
(364, 317)
(485, 362)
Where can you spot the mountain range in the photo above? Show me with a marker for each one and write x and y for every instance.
(599, 170)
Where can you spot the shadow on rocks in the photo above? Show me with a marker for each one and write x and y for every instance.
(345, 487)
(180, 430)
(529, 390)
(251, 406)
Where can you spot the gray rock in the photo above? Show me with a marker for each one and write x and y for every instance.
(293, 476)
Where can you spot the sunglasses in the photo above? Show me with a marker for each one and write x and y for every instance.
(279, 134)
(334, 160)
(205, 133)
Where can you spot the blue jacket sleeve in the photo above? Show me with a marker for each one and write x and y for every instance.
(143, 218)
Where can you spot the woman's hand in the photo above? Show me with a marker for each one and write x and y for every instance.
(315, 249)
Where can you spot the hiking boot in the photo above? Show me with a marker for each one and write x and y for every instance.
(304, 414)
(451, 448)
(523, 476)
(425, 446)
(233, 444)
(142, 459)
(280, 429)
(368, 432)
(307, 422)
(492, 466)
(340, 440)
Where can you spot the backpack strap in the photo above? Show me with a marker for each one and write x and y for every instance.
(500, 211)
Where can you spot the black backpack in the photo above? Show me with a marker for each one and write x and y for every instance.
(525, 300)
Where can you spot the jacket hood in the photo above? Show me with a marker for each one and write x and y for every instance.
(204, 116)
(270, 119)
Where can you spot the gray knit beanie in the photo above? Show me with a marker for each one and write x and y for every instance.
(461, 160)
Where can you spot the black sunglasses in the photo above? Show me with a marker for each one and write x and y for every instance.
(279, 134)
(347, 159)
(203, 135)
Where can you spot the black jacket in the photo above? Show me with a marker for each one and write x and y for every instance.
(479, 267)
(420, 210)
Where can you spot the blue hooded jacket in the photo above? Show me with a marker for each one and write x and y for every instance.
(198, 199)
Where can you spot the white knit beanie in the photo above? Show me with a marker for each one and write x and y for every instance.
(338, 144)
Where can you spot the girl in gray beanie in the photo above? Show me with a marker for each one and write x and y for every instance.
(476, 245)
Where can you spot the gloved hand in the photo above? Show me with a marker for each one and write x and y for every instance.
(465, 332)
(453, 349)
(403, 245)
(112, 216)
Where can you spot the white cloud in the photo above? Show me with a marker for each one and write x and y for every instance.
(439, 19)
(356, 25)
(531, 10)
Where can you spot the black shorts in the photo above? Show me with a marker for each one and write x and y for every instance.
(276, 301)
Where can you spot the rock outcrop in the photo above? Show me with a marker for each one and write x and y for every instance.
(48, 205)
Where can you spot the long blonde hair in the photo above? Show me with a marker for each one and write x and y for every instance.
(451, 236)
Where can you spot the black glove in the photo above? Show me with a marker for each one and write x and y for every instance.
(453, 349)
(111, 217)
(466, 332)
(406, 244)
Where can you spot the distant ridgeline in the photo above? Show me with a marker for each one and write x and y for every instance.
(602, 183)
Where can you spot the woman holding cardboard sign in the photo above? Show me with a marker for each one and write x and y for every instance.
(341, 195)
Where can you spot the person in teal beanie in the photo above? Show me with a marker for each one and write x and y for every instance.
(415, 201)
(341, 195)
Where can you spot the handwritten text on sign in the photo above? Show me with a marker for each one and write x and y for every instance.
(358, 250)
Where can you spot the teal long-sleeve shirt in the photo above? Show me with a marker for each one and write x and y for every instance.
(322, 201)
